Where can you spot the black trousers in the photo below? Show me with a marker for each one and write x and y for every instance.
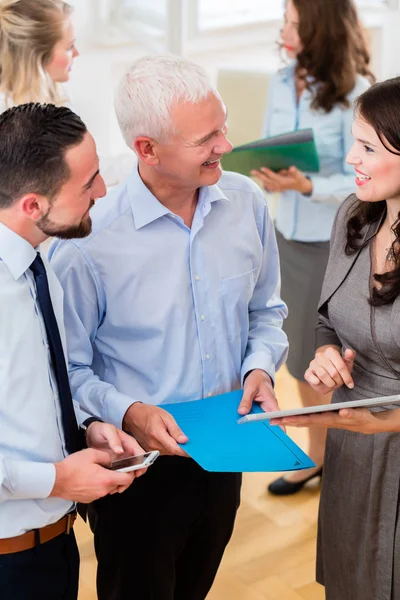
(49, 571)
(163, 539)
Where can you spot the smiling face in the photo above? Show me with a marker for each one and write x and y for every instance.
(190, 158)
(62, 57)
(377, 170)
(67, 215)
(290, 32)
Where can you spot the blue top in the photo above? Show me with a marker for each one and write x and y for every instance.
(31, 434)
(159, 312)
(299, 217)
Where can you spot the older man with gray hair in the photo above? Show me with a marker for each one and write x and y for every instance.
(174, 296)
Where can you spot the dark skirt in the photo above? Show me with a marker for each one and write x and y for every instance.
(303, 266)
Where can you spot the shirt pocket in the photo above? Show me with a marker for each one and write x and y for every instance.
(236, 293)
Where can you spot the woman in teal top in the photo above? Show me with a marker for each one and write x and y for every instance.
(329, 70)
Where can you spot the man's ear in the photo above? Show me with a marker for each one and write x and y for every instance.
(33, 206)
(146, 149)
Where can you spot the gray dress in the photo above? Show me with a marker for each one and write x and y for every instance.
(359, 538)
(357, 550)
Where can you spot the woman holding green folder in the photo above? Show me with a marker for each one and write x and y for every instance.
(327, 72)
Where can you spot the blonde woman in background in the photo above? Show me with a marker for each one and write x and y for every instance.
(37, 51)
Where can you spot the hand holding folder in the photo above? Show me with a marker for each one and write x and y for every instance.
(218, 443)
(296, 148)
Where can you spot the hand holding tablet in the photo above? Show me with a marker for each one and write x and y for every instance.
(383, 402)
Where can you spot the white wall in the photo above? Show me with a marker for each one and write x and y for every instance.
(102, 61)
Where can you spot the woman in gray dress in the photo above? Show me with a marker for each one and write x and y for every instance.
(358, 356)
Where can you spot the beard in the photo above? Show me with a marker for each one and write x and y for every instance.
(65, 232)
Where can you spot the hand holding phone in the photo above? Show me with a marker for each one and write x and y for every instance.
(134, 463)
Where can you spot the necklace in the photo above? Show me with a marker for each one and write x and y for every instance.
(390, 253)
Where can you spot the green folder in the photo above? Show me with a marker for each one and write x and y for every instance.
(295, 148)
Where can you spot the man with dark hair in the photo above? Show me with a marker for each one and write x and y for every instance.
(49, 179)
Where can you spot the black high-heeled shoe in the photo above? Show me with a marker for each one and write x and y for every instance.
(282, 487)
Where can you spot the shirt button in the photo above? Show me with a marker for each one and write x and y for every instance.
(202, 317)
(207, 356)
(197, 277)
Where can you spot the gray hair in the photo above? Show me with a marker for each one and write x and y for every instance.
(150, 87)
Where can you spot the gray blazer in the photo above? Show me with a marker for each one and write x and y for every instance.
(339, 266)
(359, 526)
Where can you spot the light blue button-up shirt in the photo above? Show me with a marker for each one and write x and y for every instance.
(159, 312)
(299, 217)
(31, 434)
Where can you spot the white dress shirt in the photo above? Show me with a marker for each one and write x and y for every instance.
(31, 434)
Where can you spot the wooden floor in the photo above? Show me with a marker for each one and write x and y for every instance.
(272, 552)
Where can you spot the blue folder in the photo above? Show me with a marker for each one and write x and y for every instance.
(218, 443)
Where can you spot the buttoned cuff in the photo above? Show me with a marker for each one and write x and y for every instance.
(321, 188)
(30, 480)
(258, 360)
(117, 405)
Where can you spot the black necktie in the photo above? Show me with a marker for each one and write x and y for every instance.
(71, 431)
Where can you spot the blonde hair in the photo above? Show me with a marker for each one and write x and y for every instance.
(29, 31)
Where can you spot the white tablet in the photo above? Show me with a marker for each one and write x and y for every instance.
(384, 402)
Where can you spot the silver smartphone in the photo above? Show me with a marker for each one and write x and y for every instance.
(134, 463)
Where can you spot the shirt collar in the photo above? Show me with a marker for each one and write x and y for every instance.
(287, 73)
(146, 208)
(16, 252)
(211, 193)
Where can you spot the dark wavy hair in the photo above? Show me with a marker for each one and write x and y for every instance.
(334, 50)
(379, 106)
